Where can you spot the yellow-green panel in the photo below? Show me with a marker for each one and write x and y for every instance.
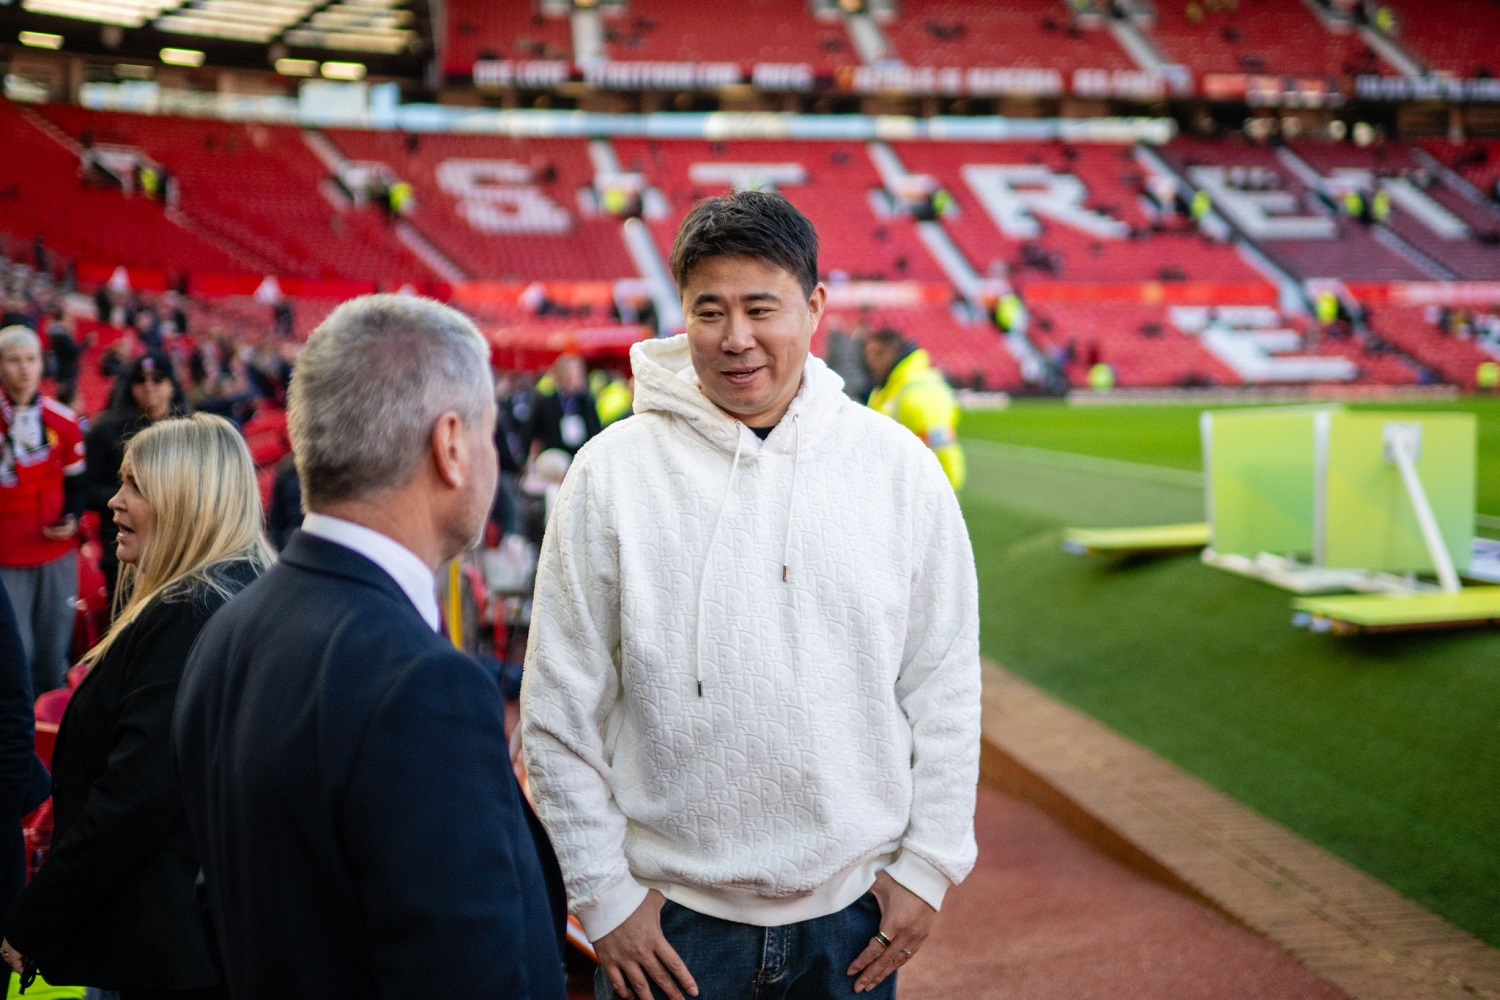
(1370, 522)
(1155, 538)
(1384, 610)
(1261, 480)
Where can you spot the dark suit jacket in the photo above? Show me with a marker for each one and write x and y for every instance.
(114, 904)
(348, 782)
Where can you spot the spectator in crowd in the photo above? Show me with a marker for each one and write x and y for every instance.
(913, 393)
(16, 313)
(325, 693)
(694, 689)
(269, 368)
(114, 904)
(65, 349)
(41, 498)
(117, 360)
(147, 392)
(147, 327)
(567, 417)
(512, 423)
(842, 354)
(221, 382)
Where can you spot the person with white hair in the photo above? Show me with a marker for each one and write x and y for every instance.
(41, 498)
(345, 770)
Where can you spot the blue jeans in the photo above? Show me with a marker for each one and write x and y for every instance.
(802, 961)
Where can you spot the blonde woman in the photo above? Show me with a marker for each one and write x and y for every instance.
(114, 907)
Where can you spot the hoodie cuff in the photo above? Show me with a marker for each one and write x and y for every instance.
(921, 878)
(612, 908)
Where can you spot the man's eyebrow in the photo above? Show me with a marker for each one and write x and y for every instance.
(717, 298)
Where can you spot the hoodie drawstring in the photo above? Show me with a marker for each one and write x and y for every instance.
(791, 502)
(713, 540)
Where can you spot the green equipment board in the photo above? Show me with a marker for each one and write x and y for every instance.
(1368, 518)
(1260, 470)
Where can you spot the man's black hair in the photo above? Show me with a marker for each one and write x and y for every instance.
(758, 224)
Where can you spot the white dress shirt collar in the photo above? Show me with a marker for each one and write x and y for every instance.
(410, 573)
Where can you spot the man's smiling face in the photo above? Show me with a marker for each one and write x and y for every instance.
(750, 327)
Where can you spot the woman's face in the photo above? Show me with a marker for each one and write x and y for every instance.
(133, 516)
(153, 394)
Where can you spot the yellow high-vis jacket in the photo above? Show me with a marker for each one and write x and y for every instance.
(918, 398)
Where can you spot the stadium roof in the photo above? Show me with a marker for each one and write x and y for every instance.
(237, 32)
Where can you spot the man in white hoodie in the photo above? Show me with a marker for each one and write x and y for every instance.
(754, 743)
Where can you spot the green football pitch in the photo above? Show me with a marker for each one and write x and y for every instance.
(1384, 749)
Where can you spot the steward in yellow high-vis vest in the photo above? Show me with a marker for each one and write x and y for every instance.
(910, 390)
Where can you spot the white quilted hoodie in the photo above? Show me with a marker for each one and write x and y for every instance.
(753, 672)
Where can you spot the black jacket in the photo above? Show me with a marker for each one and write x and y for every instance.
(114, 904)
(550, 412)
(23, 780)
(349, 785)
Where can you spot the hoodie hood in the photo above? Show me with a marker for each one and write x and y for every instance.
(665, 382)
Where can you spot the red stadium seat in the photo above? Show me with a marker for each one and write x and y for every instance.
(1035, 34)
(50, 705)
(1277, 37)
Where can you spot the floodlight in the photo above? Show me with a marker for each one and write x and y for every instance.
(297, 67)
(41, 40)
(344, 71)
(182, 57)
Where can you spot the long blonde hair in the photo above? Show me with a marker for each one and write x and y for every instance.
(197, 475)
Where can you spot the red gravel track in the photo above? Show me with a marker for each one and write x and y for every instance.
(1046, 916)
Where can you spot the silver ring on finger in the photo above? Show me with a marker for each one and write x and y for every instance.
(905, 954)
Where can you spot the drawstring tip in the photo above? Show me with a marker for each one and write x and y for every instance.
(700, 689)
(786, 574)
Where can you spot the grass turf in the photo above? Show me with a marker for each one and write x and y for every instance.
(1383, 749)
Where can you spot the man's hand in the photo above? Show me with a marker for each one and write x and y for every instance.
(13, 958)
(906, 920)
(635, 954)
(62, 530)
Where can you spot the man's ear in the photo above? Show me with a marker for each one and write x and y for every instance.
(818, 302)
(448, 455)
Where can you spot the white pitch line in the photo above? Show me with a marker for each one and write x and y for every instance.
(1089, 463)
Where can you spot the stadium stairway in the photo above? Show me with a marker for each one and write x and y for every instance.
(1432, 34)
(1442, 226)
(1288, 223)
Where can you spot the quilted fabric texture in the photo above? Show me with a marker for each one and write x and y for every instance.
(837, 728)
